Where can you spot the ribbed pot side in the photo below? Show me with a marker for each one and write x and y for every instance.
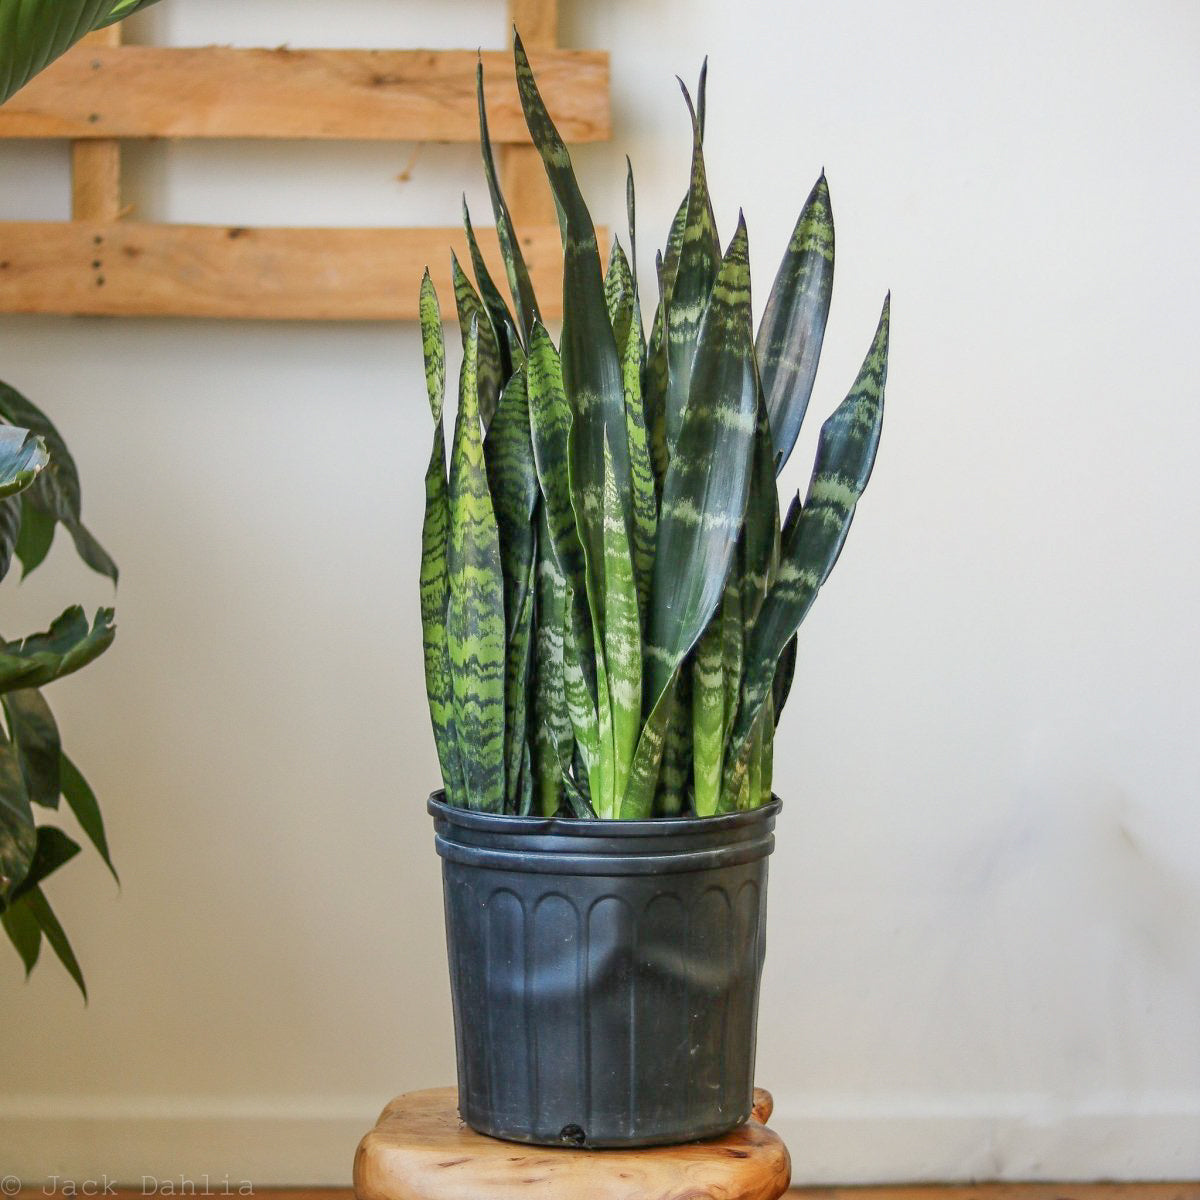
(604, 974)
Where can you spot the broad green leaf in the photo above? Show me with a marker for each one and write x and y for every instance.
(813, 538)
(56, 491)
(18, 835)
(591, 366)
(519, 284)
(434, 578)
(33, 33)
(22, 456)
(81, 800)
(793, 325)
(24, 932)
(54, 849)
(622, 647)
(699, 262)
(65, 647)
(475, 612)
(36, 533)
(34, 734)
(488, 368)
(705, 490)
(40, 908)
(504, 332)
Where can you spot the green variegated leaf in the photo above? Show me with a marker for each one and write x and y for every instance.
(758, 550)
(519, 284)
(475, 611)
(55, 493)
(513, 484)
(554, 738)
(618, 294)
(675, 777)
(622, 648)
(708, 716)
(504, 332)
(10, 530)
(705, 490)
(654, 391)
(18, 835)
(591, 366)
(550, 426)
(489, 368)
(638, 801)
(690, 288)
(813, 538)
(434, 579)
(643, 495)
(34, 734)
(581, 706)
(793, 325)
(22, 456)
(630, 215)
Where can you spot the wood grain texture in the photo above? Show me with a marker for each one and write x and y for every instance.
(96, 164)
(420, 1150)
(218, 92)
(132, 269)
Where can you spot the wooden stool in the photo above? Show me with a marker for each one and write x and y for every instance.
(421, 1150)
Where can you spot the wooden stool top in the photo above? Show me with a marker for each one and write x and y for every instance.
(421, 1150)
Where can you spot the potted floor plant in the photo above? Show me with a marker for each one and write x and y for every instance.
(39, 490)
(610, 598)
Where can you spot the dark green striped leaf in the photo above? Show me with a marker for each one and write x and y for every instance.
(813, 537)
(504, 332)
(793, 324)
(434, 579)
(489, 368)
(510, 247)
(691, 286)
(705, 490)
(475, 611)
(513, 483)
(642, 491)
(591, 366)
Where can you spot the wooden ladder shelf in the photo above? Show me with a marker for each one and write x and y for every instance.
(102, 92)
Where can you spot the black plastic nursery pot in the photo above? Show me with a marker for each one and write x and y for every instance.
(604, 974)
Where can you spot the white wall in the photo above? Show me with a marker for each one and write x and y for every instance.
(985, 934)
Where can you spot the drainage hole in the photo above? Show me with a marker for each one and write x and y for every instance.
(572, 1135)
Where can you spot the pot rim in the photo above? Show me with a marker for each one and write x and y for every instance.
(597, 826)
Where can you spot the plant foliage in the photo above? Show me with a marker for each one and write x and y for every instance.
(609, 595)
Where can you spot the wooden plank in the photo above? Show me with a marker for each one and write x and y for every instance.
(219, 92)
(522, 175)
(96, 165)
(134, 269)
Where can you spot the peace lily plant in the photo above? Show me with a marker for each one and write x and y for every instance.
(609, 595)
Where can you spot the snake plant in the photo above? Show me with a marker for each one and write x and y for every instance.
(609, 594)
